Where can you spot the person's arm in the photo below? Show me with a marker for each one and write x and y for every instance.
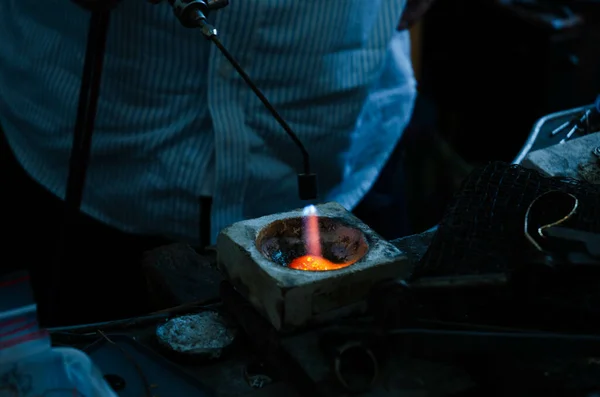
(414, 11)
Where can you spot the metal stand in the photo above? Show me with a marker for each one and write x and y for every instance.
(82, 137)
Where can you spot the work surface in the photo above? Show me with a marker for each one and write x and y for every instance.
(168, 271)
(179, 277)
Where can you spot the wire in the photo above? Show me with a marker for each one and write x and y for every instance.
(264, 100)
(193, 307)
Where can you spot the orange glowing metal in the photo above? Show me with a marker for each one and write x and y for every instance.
(314, 261)
(316, 264)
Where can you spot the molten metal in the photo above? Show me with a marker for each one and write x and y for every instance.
(314, 260)
(316, 264)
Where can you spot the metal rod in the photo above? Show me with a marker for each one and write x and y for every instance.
(560, 128)
(211, 34)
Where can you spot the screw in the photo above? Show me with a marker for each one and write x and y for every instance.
(596, 152)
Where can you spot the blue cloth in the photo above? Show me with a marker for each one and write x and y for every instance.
(175, 121)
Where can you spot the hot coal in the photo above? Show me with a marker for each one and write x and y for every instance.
(283, 241)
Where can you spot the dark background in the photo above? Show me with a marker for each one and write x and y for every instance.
(487, 71)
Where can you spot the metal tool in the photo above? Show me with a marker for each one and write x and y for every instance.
(580, 124)
(583, 123)
(560, 128)
(192, 14)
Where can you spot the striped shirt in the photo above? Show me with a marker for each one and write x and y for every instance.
(176, 122)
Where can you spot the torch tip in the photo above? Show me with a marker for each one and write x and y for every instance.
(309, 210)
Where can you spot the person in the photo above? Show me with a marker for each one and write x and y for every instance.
(175, 123)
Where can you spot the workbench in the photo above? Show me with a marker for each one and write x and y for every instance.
(180, 280)
(172, 271)
(179, 277)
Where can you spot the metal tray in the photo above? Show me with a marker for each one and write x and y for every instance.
(540, 136)
(130, 359)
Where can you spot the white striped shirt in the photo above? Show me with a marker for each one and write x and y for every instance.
(176, 122)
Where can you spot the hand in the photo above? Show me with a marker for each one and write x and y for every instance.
(414, 11)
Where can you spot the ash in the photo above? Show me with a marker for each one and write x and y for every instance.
(196, 333)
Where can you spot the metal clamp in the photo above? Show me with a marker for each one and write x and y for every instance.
(192, 13)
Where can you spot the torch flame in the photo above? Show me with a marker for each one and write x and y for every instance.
(314, 260)
(312, 237)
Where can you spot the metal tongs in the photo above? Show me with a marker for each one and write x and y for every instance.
(546, 229)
